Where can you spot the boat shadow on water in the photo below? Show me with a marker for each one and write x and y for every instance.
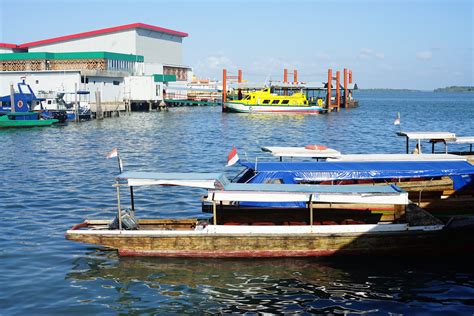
(288, 285)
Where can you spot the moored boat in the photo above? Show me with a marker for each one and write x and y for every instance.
(264, 101)
(24, 119)
(309, 233)
(440, 183)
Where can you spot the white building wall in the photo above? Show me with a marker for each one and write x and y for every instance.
(143, 88)
(46, 81)
(120, 42)
(153, 68)
(6, 50)
(159, 47)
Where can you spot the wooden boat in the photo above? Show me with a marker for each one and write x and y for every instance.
(24, 119)
(224, 234)
(440, 183)
(264, 101)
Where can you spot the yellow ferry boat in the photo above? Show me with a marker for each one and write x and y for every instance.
(264, 101)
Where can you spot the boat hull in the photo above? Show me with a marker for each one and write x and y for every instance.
(27, 123)
(283, 109)
(278, 244)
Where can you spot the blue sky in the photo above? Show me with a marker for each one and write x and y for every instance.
(388, 44)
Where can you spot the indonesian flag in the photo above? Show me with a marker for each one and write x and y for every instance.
(113, 153)
(233, 157)
(397, 120)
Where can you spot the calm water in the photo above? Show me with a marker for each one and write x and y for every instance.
(52, 178)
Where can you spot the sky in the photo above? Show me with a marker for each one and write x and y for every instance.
(416, 44)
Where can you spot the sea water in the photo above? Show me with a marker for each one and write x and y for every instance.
(53, 178)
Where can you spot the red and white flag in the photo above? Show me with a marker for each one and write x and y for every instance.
(233, 157)
(397, 120)
(113, 153)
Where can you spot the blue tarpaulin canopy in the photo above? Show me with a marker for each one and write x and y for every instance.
(295, 172)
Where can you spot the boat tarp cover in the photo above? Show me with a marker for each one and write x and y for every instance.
(462, 172)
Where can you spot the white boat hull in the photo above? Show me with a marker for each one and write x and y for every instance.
(284, 109)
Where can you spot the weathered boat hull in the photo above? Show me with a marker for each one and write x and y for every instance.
(283, 109)
(207, 244)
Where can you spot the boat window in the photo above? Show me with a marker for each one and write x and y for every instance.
(285, 101)
(247, 98)
(49, 101)
(266, 101)
(275, 101)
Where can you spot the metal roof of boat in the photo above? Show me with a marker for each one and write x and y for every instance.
(302, 152)
(197, 180)
(367, 194)
(427, 135)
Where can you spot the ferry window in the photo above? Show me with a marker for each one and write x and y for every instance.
(275, 101)
(116, 83)
(285, 101)
(266, 101)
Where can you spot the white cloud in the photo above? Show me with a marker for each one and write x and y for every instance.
(379, 55)
(367, 53)
(424, 55)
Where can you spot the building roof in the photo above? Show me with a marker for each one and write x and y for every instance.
(7, 45)
(100, 32)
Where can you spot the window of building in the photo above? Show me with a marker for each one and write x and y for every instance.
(116, 82)
(37, 81)
(158, 90)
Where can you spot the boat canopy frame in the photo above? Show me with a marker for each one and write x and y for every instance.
(220, 189)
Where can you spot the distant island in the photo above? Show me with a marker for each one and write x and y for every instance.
(455, 89)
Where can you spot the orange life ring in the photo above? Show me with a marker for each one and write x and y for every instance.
(19, 104)
(316, 147)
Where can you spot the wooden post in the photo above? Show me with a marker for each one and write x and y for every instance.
(119, 210)
(76, 106)
(214, 211)
(12, 98)
(329, 92)
(338, 90)
(295, 76)
(345, 87)
(311, 210)
(240, 76)
(285, 75)
(98, 105)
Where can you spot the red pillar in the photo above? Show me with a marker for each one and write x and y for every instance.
(350, 76)
(224, 87)
(345, 87)
(338, 89)
(240, 76)
(295, 76)
(285, 75)
(328, 96)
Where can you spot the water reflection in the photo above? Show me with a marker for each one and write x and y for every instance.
(352, 286)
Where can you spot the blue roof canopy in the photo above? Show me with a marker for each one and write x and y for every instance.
(295, 172)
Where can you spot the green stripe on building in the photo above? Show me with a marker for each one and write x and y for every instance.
(164, 78)
(72, 55)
